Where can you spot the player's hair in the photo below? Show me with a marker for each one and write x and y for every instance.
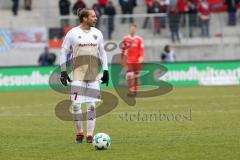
(133, 25)
(83, 13)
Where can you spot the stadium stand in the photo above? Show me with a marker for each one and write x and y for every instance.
(223, 44)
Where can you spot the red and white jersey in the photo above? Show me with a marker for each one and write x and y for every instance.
(132, 48)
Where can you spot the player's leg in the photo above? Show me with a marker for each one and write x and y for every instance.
(78, 121)
(91, 120)
(92, 96)
(77, 89)
(130, 79)
(130, 76)
(136, 69)
(136, 82)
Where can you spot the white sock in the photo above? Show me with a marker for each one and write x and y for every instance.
(91, 118)
(77, 117)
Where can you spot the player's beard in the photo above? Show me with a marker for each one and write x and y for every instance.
(93, 24)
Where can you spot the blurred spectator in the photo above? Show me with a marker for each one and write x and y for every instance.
(28, 4)
(232, 9)
(97, 9)
(15, 7)
(148, 4)
(127, 7)
(110, 11)
(64, 9)
(192, 16)
(204, 17)
(78, 6)
(163, 9)
(102, 4)
(182, 8)
(47, 58)
(173, 19)
(168, 54)
(156, 19)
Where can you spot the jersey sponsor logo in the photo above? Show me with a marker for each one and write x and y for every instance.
(87, 45)
(95, 37)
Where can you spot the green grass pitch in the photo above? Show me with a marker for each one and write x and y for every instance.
(200, 123)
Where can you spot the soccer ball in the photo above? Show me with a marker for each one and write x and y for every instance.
(101, 141)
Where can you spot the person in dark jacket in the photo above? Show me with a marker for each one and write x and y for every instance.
(174, 20)
(78, 6)
(148, 4)
(28, 4)
(192, 16)
(64, 9)
(110, 11)
(127, 7)
(232, 9)
(47, 58)
(15, 7)
(97, 9)
(156, 19)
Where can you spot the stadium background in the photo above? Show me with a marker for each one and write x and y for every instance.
(210, 66)
(44, 19)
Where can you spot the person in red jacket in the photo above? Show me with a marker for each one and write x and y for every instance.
(132, 57)
(102, 4)
(182, 8)
(204, 17)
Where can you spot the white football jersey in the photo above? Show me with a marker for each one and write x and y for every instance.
(87, 47)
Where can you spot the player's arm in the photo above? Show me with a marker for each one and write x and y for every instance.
(123, 53)
(103, 57)
(141, 51)
(63, 60)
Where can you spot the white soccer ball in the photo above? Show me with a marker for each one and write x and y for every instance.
(101, 141)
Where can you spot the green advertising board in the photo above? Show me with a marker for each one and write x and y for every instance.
(24, 78)
(203, 73)
(178, 74)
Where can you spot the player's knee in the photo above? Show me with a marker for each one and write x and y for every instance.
(91, 114)
(91, 106)
(76, 108)
(130, 75)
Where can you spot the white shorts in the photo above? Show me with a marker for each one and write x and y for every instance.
(85, 91)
